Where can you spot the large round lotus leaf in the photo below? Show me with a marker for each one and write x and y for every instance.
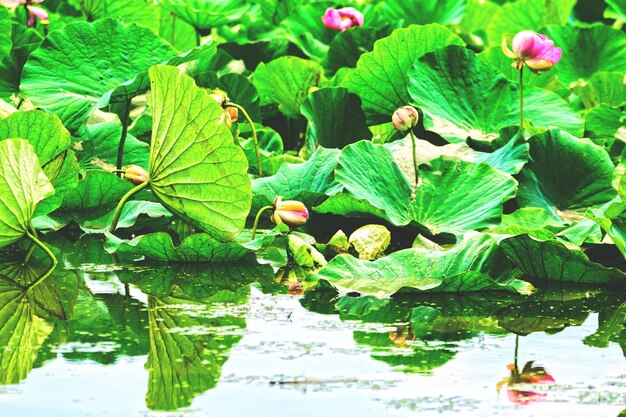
(588, 50)
(335, 118)
(380, 76)
(77, 68)
(24, 41)
(423, 11)
(145, 13)
(22, 185)
(207, 14)
(467, 97)
(348, 46)
(566, 173)
(196, 170)
(286, 81)
(604, 88)
(52, 143)
(527, 15)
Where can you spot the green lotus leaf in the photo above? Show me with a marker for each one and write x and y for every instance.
(616, 9)
(303, 27)
(606, 122)
(5, 28)
(196, 170)
(159, 247)
(463, 268)
(271, 147)
(24, 41)
(527, 15)
(66, 77)
(145, 13)
(23, 185)
(554, 261)
(309, 182)
(129, 217)
(289, 92)
(425, 11)
(484, 103)
(473, 198)
(370, 241)
(604, 88)
(238, 89)
(605, 44)
(380, 76)
(177, 32)
(477, 16)
(371, 179)
(52, 143)
(100, 142)
(335, 118)
(95, 194)
(206, 14)
(347, 47)
(566, 173)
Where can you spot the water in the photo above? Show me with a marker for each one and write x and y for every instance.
(101, 340)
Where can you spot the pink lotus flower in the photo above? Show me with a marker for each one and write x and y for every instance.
(342, 19)
(521, 385)
(533, 49)
(34, 12)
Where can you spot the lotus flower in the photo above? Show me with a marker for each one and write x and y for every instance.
(34, 12)
(530, 375)
(342, 19)
(135, 174)
(533, 49)
(292, 213)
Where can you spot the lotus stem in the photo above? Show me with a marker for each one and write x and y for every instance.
(516, 351)
(120, 149)
(414, 146)
(256, 220)
(53, 259)
(521, 101)
(198, 38)
(29, 252)
(254, 136)
(120, 205)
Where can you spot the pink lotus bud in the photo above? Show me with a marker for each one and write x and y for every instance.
(533, 49)
(292, 213)
(405, 118)
(135, 174)
(342, 19)
(219, 96)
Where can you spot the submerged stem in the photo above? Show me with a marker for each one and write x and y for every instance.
(120, 149)
(254, 136)
(256, 220)
(414, 146)
(120, 205)
(521, 101)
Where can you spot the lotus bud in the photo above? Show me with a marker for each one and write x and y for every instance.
(233, 113)
(136, 174)
(292, 213)
(219, 96)
(405, 118)
(533, 49)
(342, 19)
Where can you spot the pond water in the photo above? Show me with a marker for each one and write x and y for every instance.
(103, 340)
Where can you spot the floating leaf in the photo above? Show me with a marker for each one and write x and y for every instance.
(380, 75)
(484, 103)
(335, 118)
(52, 143)
(463, 268)
(196, 170)
(553, 261)
(23, 185)
(289, 92)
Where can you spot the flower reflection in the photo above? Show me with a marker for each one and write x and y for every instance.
(521, 387)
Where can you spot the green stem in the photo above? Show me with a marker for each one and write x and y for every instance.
(29, 252)
(521, 101)
(254, 136)
(48, 252)
(516, 352)
(173, 27)
(256, 220)
(618, 24)
(120, 205)
(120, 149)
(19, 103)
(414, 146)
(198, 38)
